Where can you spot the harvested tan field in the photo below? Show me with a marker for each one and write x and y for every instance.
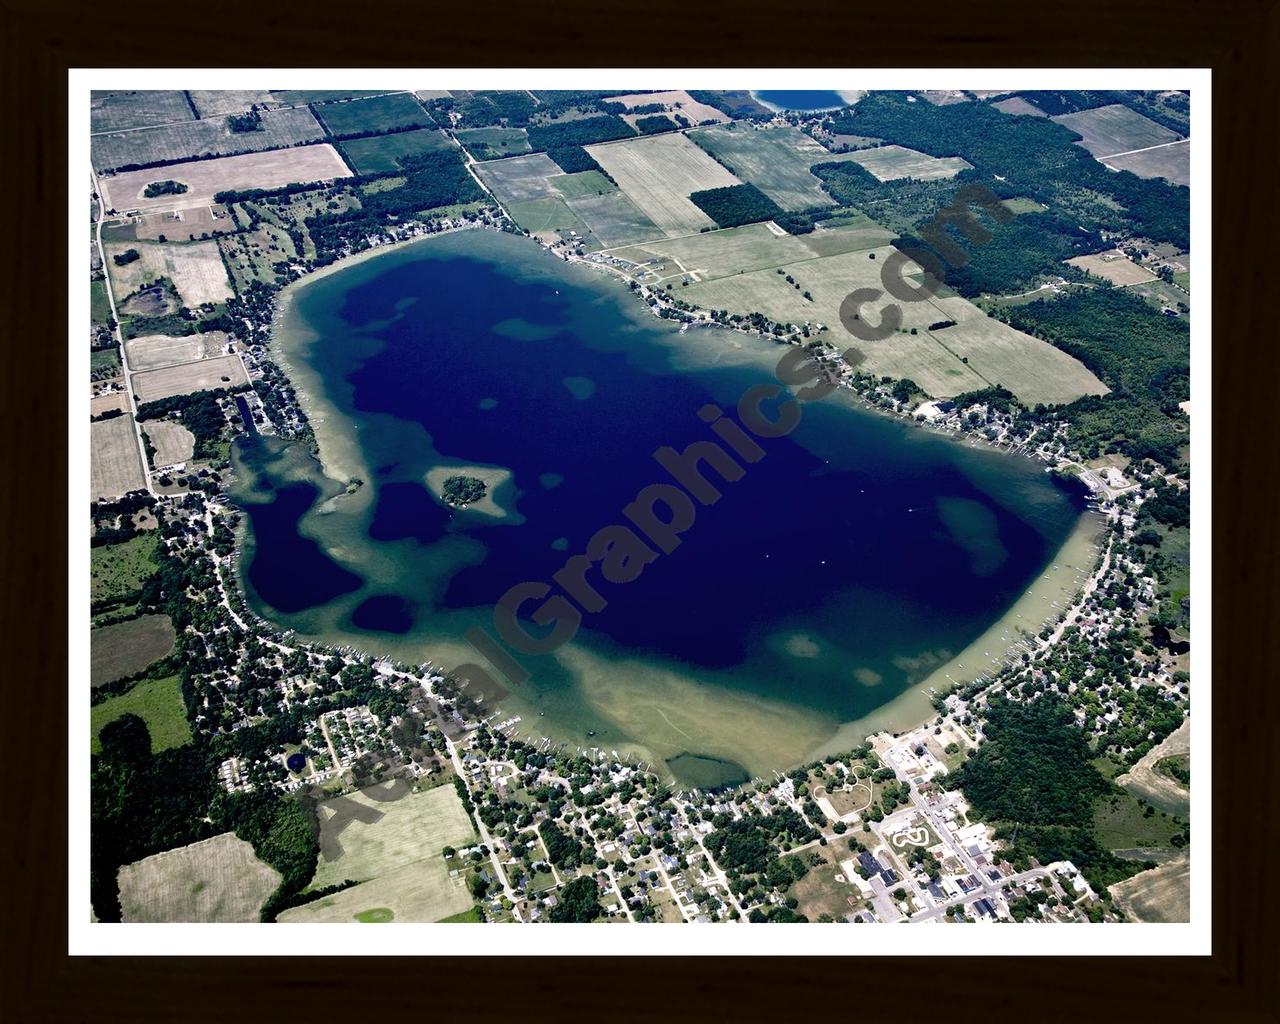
(1160, 896)
(202, 375)
(195, 268)
(115, 465)
(181, 225)
(216, 880)
(1142, 780)
(1113, 266)
(173, 442)
(205, 178)
(99, 404)
(154, 350)
(676, 100)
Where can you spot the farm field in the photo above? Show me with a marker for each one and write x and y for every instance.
(420, 892)
(583, 183)
(1172, 162)
(117, 400)
(195, 268)
(1115, 129)
(373, 114)
(125, 648)
(117, 571)
(206, 178)
(1034, 370)
(214, 880)
(153, 350)
(675, 100)
(520, 178)
(1018, 105)
(775, 160)
(158, 702)
(382, 152)
(173, 442)
(709, 255)
(174, 143)
(184, 378)
(494, 143)
(188, 224)
(220, 102)
(658, 173)
(296, 96)
(115, 464)
(613, 218)
(1113, 266)
(117, 110)
(550, 215)
(1161, 895)
(889, 163)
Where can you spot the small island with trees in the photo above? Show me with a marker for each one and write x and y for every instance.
(461, 491)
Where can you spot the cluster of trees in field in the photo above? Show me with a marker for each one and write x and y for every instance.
(901, 205)
(200, 412)
(736, 204)
(123, 259)
(572, 159)
(737, 103)
(1032, 157)
(1033, 778)
(656, 123)
(249, 121)
(168, 187)
(517, 109)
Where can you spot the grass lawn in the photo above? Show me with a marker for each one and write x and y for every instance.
(158, 702)
(1121, 823)
(104, 359)
(119, 570)
(99, 307)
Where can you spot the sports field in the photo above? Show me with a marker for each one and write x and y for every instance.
(393, 847)
(126, 648)
(214, 880)
(613, 218)
(174, 143)
(184, 378)
(520, 178)
(775, 160)
(119, 109)
(205, 178)
(195, 268)
(115, 466)
(658, 173)
(158, 702)
(173, 442)
(153, 350)
(1115, 129)
(382, 152)
(1113, 266)
(1172, 162)
(373, 114)
(889, 163)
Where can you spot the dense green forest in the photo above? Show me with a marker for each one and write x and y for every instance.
(572, 159)
(580, 132)
(656, 123)
(1028, 156)
(1033, 780)
(736, 204)
(579, 902)
(900, 205)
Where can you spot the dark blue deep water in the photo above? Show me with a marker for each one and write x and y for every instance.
(858, 545)
(800, 99)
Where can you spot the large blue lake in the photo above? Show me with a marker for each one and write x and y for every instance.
(849, 563)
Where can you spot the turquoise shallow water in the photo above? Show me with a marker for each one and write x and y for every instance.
(855, 556)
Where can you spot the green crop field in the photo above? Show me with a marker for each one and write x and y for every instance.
(117, 571)
(125, 648)
(550, 214)
(775, 160)
(158, 702)
(583, 183)
(99, 307)
(372, 115)
(494, 143)
(382, 152)
(613, 218)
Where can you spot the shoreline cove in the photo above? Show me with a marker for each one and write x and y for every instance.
(340, 460)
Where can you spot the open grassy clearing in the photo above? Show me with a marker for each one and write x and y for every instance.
(493, 143)
(996, 353)
(775, 160)
(583, 183)
(1161, 895)
(889, 163)
(674, 100)
(172, 143)
(104, 362)
(125, 648)
(195, 268)
(658, 173)
(152, 350)
(520, 178)
(99, 307)
(420, 892)
(220, 102)
(1113, 266)
(1115, 129)
(1022, 204)
(173, 442)
(382, 152)
(206, 178)
(158, 702)
(1018, 105)
(1172, 163)
(117, 571)
(819, 893)
(372, 114)
(1121, 823)
(613, 218)
(184, 378)
(214, 880)
(115, 466)
(119, 109)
